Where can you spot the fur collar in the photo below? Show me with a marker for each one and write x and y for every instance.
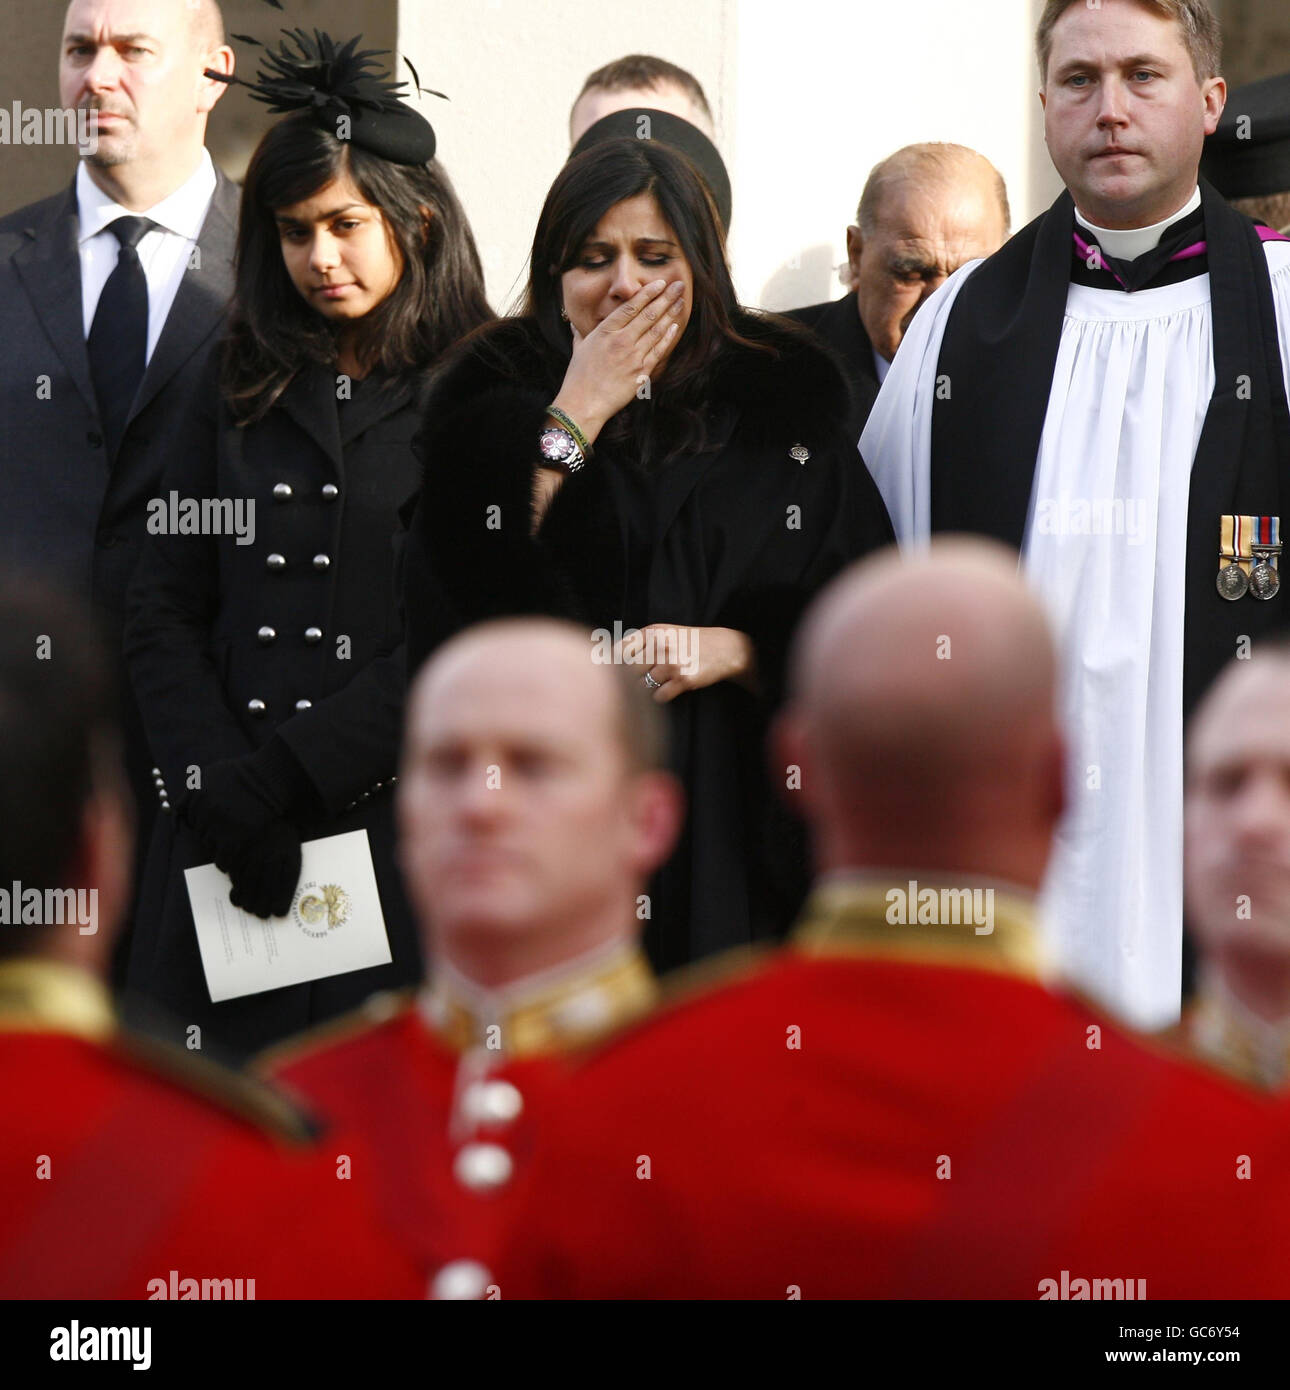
(790, 391)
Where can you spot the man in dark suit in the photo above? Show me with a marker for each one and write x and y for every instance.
(113, 294)
(925, 211)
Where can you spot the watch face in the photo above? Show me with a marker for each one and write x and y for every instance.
(557, 445)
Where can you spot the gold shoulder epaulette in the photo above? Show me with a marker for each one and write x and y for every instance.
(247, 1097)
(690, 982)
(371, 1013)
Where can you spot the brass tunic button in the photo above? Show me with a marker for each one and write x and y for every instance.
(322, 562)
(492, 1103)
(460, 1279)
(330, 492)
(267, 635)
(483, 1167)
(282, 493)
(276, 561)
(313, 635)
(302, 705)
(257, 708)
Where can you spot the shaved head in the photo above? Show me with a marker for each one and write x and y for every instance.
(531, 806)
(205, 23)
(923, 708)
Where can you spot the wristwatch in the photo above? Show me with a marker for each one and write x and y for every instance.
(559, 449)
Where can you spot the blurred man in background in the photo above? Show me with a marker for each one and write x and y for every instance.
(640, 81)
(925, 211)
(1238, 869)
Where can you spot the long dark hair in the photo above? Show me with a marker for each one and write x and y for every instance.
(675, 418)
(273, 333)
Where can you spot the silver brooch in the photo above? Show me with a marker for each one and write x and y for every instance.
(799, 453)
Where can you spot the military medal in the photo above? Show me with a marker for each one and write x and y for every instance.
(1233, 582)
(1265, 580)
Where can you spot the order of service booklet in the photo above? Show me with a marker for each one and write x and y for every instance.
(334, 924)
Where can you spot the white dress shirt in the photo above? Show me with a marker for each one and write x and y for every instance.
(164, 252)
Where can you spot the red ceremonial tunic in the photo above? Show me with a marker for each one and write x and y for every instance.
(896, 1111)
(441, 1094)
(132, 1171)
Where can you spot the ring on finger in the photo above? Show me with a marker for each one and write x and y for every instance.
(651, 683)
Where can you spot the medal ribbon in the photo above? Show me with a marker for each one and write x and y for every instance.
(1237, 535)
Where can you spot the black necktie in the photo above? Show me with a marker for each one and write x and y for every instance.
(118, 342)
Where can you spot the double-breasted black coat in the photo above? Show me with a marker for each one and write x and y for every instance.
(740, 535)
(294, 637)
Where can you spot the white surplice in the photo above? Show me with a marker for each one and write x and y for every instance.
(1106, 549)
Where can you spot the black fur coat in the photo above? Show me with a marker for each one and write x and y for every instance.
(740, 535)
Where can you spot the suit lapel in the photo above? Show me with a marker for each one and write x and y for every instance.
(49, 267)
(371, 405)
(310, 400)
(204, 292)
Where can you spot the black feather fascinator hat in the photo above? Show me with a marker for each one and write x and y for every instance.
(347, 91)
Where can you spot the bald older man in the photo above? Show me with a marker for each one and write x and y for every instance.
(532, 810)
(925, 211)
(896, 1107)
(1237, 870)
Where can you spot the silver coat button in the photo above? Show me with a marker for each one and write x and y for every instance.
(276, 561)
(483, 1167)
(322, 562)
(302, 705)
(492, 1103)
(267, 635)
(313, 635)
(330, 492)
(282, 493)
(462, 1279)
(256, 707)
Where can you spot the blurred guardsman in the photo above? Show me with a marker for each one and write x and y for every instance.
(896, 1107)
(1238, 869)
(130, 1169)
(1248, 157)
(925, 211)
(532, 810)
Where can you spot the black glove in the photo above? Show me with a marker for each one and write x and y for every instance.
(241, 818)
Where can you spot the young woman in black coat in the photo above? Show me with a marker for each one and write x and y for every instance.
(269, 674)
(639, 453)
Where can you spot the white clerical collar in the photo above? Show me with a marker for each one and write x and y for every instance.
(1137, 241)
(181, 212)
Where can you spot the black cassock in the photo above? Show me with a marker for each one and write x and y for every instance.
(741, 535)
(295, 639)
